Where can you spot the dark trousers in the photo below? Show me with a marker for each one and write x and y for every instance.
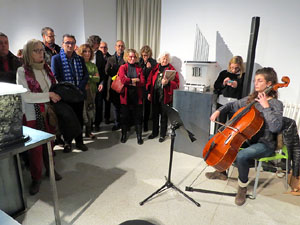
(131, 111)
(117, 112)
(157, 110)
(147, 108)
(115, 99)
(100, 98)
(245, 156)
(78, 109)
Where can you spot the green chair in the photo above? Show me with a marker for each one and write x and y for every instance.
(283, 154)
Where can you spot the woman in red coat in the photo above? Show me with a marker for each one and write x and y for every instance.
(131, 99)
(161, 93)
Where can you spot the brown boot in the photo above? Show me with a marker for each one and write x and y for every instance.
(216, 175)
(240, 197)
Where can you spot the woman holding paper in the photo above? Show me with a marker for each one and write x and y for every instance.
(160, 86)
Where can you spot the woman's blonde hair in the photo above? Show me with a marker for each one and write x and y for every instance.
(164, 54)
(27, 51)
(126, 54)
(237, 60)
(83, 47)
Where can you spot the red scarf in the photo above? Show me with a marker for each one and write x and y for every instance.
(35, 87)
(32, 83)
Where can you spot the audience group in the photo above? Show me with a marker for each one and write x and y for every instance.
(69, 90)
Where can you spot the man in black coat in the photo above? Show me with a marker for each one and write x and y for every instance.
(51, 48)
(9, 63)
(101, 95)
(111, 69)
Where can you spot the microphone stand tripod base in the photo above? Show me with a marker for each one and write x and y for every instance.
(168, 183)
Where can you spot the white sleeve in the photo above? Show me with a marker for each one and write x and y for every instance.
(30, 97)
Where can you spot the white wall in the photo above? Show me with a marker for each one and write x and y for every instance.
(22, 20)
(100, 18)
(278, 40)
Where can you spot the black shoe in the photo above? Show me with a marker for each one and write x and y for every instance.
(67, 148)
(151, 136)
(124, 138)
(82, 147)
(59, 141)
(140, 140)
(115, 127)
(56, 175)
(34, 187)
(161, 139)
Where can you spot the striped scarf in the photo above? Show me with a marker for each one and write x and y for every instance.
(71, 76)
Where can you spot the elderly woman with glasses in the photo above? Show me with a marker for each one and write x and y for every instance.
(160, 90)
(131, 99)
(147, 63)
(91, 88)
(36, 76)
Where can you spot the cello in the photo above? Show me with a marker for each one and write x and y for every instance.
(221, 150)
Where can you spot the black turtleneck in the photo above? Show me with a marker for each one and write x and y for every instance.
(131, 71)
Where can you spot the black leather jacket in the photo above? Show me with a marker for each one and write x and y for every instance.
(291, 140)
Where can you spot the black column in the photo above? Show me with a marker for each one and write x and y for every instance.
(251, 55)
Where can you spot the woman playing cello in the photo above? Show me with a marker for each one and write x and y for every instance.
(263, 144)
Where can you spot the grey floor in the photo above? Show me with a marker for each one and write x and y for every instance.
(104, 186)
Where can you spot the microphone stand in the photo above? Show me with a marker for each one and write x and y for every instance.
(174, 125)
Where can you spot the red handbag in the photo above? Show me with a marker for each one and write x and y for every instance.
(117, 85)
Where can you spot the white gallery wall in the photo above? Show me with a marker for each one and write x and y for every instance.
(22, 20)
(278, 40)
(100, 18)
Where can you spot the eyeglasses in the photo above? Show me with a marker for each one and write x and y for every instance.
(69, 43)
(38, 50)
(235, 69)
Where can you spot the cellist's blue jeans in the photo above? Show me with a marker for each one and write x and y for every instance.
(244, 157)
